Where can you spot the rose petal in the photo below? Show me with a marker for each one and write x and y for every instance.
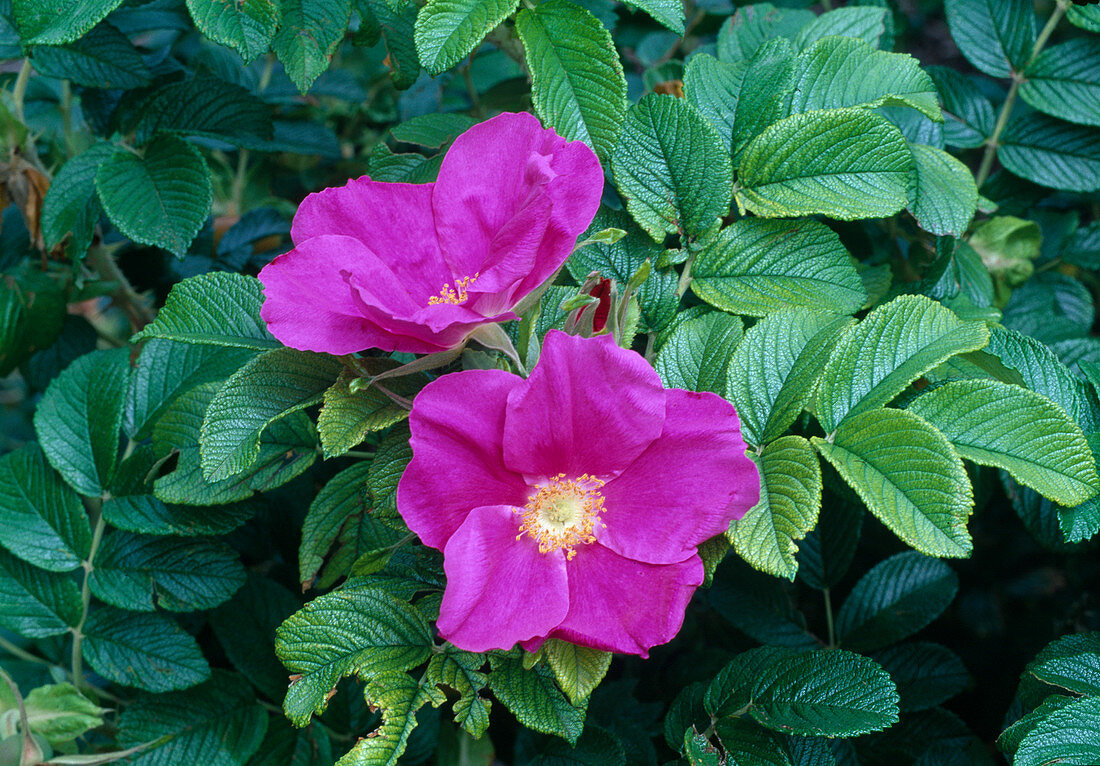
(686, 487)
(620, 605)
(588, 407)
(457, 426)
(500, 590)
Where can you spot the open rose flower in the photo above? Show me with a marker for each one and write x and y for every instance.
(418, 267)
(571, 504)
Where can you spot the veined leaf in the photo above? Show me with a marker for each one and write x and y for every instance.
(748, 28)
(58, 712)
(756, 267)
(204, 106)
(1015, 358)
(398, 697)
(308, 35)
(103, 58)
(714, 87)
(926, 674)
(37, 603)
(668, 13)
(790, 497)
(346, 417)
(343, 496)
(146, 514)
(577, 81)
(1068, 736)
(996, 36)
(1009, 427)
(759, 605)
(942, 196)
(148, 651)
(1064, 81)
(1085, 17)
(1071, 662)
(909, 476)
(578, 669)
(55, 22)
(247, 26)
(893, 346)
(460, 670)
(1052, 153)
(844, 163)
(853, 22)
(697, 352)
(447, 30)
(534, 699)
(72, 205)
(766, 91)
(745, 742)
(968, 114)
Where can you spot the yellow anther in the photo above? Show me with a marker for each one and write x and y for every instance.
(454, 295)
(563, 514)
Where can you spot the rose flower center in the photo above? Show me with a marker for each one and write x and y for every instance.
(563, 514)
(456, 295)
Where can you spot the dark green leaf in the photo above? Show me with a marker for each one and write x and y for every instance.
(713, 87)
(71, 205)
(1068, 735)
(344, 495)
(745, 742)
(996, 36)
(828, 549)
(148, 651)
(1052, 153)
(759, 605)
(247, 26)
(308, 35)
(926, 674)
(37, 603)
(205, 106)
(1071, 662)
(669, 13)
(103, 58)
(968, 115)
(864, 23)
(54, 22)
(447, 30)
(1064, 81)
(743, 33)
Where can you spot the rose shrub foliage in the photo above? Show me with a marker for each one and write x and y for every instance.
(572, 381)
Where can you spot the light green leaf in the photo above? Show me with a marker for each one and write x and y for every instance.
(854, 22)
(696, 354)
(342, 497)
(668, 13)
(103, 58)
(148, 651)
(398, 697)
(216, 309)
(247, 26)
(1070, 735)
(843, 163)
(672, 168)
(308, 35)
(79, 418)
(357, 630)
(390, 459)
(1009, 427)
(160, 198)
(942, 195)
(578, 669)
(765, 93)
(1086, 17)
(894, 600)
(37, 603)
(534, 699)
(219, 723)
(996, 36)
(775, 369)
(893, 346)
(447, 30)
(54, 22)
(1071, 662)
(346, 418)
(909, 476)
(713, 87)
(268, 388)
(60, 713)
(790, 497)
(757, 267)
(577, 81)
(749, 27)
(1064, 81)
(42, 520)
(1052, 153)
(968, 114)
(844, 72)
(926, 674)
(71, 205)
(460, 670)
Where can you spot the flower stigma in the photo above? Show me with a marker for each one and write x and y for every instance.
(457, 295)
(563, 514)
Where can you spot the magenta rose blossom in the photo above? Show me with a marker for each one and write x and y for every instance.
(418, 267)
(570, 505)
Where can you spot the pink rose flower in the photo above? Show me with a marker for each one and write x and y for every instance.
(418, 267)
(571, 504)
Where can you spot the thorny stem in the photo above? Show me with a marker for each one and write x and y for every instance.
(829, 617)
(95, 511)
(993, 142)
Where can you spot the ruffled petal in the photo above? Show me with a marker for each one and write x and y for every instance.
(588, 407)
(620, 605)
(500, 590)
(457, 425)
(686, 487)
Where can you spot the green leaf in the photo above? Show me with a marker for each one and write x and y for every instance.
(1026, 434)
(854, 22)
(1068, 736)
(71, 205)
(432, 130)
(161, 198)
(148, 515)
(268, 388)
(396, 26)
(37, 603)
(218, 723)
(926, 674)
(577, 81)
(390, 459)
(60, 713)
(1052, 153)
(54, 22)
(344, 495)
(894, 600)
(42, 520)
(79, 418)
(534, 699)
(696, 354)
(461, 671)
(165, 369)
(759, 605)
(1015, 358)
(968, 115)
(828, 549)
(714, 87)
(148, 651)
(1086, 17)
(893, 346)
(730, 691)
(578, 669)
(1064, 81)
(672, 168)
(775, 369)
(357, 630)
(996, 36)
(942, 196)
(843, 163)
(398, 697)
(1010, 739)
(447, 30)
(765, 94)
(790, 496)
(103, 58)
(247, 26)
(215, 309)
(828, 693)
(745, 742)
(909, 476)
(1071, 662)
(204, 106)
(283, 744)
(841, 72)
(347, 417)
(1083, 247)
(177, 573)
(308, 35)
(756, 266)
(748, 28)
(668, 13)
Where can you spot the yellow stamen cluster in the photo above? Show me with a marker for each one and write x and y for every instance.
(563, 514)
(456, 295)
